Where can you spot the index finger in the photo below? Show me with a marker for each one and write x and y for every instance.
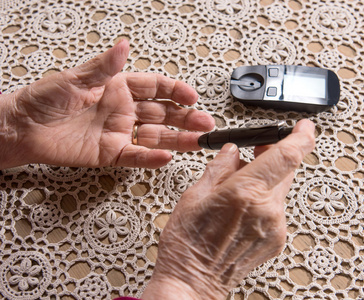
(278, 162)
(157, 86)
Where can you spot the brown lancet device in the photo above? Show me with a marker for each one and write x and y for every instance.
(244, 137)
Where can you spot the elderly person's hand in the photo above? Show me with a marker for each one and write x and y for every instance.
(85, 117)
(230, 222)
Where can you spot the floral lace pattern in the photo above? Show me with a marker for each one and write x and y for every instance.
(76, 233)
(165, 33)
(228, 9)
(273, 50)
(332, 19)
(25, 274)
(57, 23)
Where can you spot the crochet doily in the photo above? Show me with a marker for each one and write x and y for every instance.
(77, 233)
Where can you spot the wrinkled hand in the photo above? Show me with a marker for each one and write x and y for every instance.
(230, 222)
(85, 117)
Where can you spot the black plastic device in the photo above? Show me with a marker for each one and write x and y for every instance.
(244, 137)
(284, 87)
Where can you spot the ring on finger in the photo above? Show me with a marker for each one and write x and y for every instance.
(134, 138)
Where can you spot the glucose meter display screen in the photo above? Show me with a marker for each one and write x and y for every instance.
(304, 85)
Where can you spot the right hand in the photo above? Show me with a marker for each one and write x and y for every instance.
(230, 222)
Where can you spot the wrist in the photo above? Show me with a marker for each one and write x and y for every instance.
(11, 150)
(169, 289)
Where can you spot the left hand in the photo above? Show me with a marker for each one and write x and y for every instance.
(85, 117)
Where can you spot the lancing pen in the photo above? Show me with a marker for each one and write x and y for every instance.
(245, 137)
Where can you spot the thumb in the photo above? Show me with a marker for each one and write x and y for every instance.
(280, 160)
(97, 71)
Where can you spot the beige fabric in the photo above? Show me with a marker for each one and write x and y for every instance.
(93, 233)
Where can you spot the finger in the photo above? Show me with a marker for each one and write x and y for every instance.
(157, 86)
(141, 157)
(219, 169)
(97, 71)
(275, 164)
(160, 137)
(169, 113)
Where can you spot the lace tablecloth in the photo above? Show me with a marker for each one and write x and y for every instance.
(70, 233)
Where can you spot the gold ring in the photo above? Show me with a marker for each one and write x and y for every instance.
(134, 138)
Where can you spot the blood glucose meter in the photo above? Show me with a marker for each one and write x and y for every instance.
(299, 88)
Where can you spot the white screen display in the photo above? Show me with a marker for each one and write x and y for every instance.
(304, 85)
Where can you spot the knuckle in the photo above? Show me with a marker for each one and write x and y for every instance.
(242, 200)
(252, 190)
